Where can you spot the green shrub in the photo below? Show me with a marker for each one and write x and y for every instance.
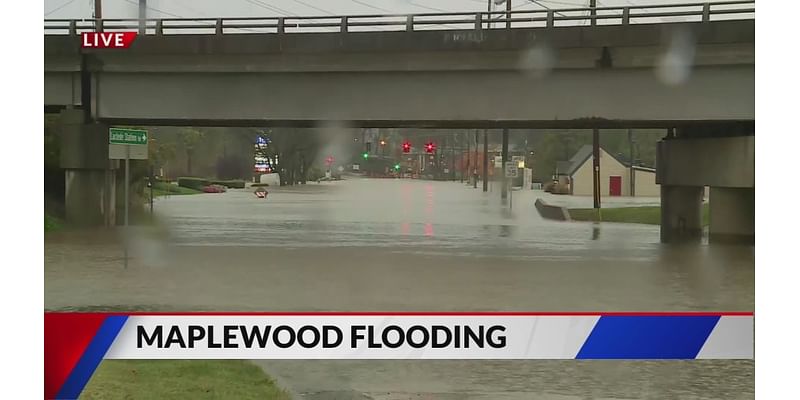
(233, 183)
(193, 183)
(51, 223)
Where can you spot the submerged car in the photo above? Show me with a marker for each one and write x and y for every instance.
(215, 189)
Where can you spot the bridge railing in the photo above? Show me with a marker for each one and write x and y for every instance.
(616, 15)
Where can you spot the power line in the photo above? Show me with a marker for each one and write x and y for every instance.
(155, 9)
(563, 3)
(272, 8)
(313, 6)
(426, 7)
(59, 7)
(539, 3)
(371, 6)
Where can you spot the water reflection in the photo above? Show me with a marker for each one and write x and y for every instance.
(370, 245)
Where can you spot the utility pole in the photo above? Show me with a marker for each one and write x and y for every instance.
(489, 18)
(464, 137)
(98, 14)
(505, 188)
(453, 159)
(593, 6)
(485, 161)
(142, 17)
(596, 166)
(475, 167)
(633, 171)
(508, 14)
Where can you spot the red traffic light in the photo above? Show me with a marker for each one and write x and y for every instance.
(430, 147)
(406, 147)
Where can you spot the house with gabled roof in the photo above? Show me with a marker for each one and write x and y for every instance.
(617, 176)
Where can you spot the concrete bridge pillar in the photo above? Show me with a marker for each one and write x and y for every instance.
(685, 166)
(90, 178)
(681, 213)
(732, 215)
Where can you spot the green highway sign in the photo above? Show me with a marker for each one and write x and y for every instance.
(127, 136)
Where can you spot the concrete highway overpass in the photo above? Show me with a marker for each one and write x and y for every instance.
(603, 75)
(531, 69)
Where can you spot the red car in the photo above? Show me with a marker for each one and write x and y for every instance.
(215, 189)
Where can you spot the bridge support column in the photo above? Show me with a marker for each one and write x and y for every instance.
(685, 166)
(732, 215)
(681, 213)
(90, 179)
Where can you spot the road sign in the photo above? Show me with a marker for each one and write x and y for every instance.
(511, 170)
(127, 143)
(127, 136)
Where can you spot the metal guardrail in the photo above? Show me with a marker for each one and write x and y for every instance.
(620, 15)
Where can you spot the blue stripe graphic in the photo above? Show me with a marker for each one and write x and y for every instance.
(91, 358)
(648, 337)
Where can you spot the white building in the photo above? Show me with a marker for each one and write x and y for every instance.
(617, 178)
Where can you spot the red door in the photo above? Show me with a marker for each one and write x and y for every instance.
(615, 185)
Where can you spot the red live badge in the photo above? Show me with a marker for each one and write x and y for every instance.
(107, 40)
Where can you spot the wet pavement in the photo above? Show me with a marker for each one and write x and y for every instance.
(413, 245)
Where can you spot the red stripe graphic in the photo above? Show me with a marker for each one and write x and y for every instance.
(66, 336)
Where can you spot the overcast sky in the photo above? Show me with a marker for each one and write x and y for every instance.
(241, 8)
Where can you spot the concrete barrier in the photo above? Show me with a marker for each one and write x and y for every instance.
(548, 211)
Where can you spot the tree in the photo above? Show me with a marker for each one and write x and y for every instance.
(190, 137)
(291, 152)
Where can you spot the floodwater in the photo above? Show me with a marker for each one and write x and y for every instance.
(404, 245)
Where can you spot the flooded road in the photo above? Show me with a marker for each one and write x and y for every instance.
(403, 245)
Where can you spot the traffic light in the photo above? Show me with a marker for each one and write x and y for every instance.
(365, 155)
(397, 167)
(406, 147)
(430, 147)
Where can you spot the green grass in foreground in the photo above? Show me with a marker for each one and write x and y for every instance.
(163, 189)
(181, 379)
(634, 215)
(52, 223)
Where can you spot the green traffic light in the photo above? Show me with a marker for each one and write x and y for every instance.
(397, 166)
(365, 155)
